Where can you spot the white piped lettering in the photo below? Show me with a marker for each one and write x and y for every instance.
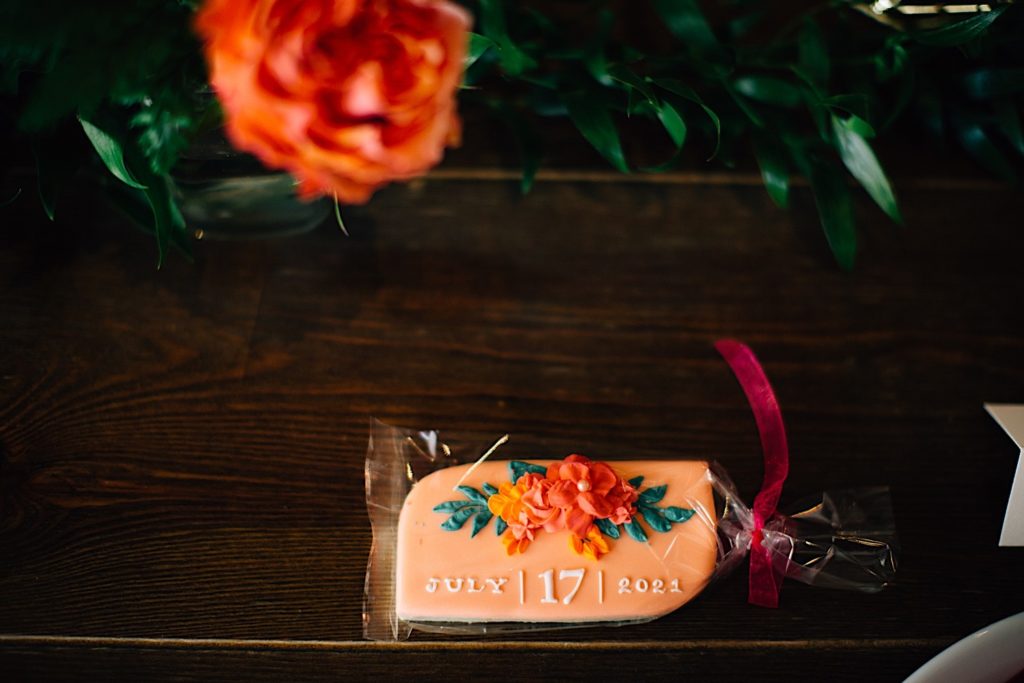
(497, 584)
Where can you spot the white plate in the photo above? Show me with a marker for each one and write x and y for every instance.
(995, 654)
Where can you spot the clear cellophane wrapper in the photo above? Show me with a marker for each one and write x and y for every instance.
(839, 539)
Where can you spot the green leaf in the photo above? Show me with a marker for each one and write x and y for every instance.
(893, 58)
(594, 58)
(637, 103)
(745, 23)
(960, 32)
(675, 126)
(489, 489)
(592, 119)
(636, 481)
(769, 89)
(492, 20)
(863, 165)
(979, 145)
(473, 494)
(499, 526)
(162, 204)
(653, 494)
(673, 123)
(904, 94)
(165, 126)
(635, 531)
(655, 518)
(743, 105)
(771, 158)
(813, 53)
(687, 93)
(337, 216)
(111, 152)
(859, 126)
(685, 20)
(989, 83)
(854, 103)
(460, 517)
(677, 514)
(451, 505)
(607, 528)
(518, 468)
(835, 210)
(819, 114)
(478, 45)
(635, 84)
(480, 521)
(134, 205)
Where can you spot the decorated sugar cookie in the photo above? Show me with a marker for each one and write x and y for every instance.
(566, 541)
(467, 544)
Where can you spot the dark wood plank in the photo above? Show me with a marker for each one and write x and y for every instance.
(181, 451)
(883, 660)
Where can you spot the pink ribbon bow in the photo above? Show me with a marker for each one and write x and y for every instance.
(765, 577)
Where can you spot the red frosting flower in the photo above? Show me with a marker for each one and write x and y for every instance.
(594, 489)
(347, 95)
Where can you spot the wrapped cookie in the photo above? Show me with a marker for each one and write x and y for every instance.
(467, 543)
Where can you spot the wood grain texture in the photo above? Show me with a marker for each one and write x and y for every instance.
(556, 661)
(181, 451)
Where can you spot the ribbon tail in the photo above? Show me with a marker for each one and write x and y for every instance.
(765, 576)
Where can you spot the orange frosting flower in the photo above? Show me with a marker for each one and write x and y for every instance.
(524, 506)
(593, 545)
(514, 545)
(593, 489)
(347, 95)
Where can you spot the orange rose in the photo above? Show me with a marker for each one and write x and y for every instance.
(347, 95)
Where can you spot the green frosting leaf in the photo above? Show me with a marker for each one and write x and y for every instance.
(635, 531)
(489, 490)
(460, 517)
(517, 468)
(500, 526)
(473, 495)
(636, 481)
(676, 514)
(653, 494)
(452, 505)
(607, 528)
(655, 518)
(480, 522)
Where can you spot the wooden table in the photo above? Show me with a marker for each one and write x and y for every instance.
(181, 452)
